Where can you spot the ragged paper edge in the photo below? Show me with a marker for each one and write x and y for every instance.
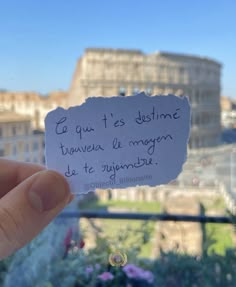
(141, 94)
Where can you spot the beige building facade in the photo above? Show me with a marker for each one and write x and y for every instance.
(32, 104)
(112, 72)
(17, 140)
(228, 113)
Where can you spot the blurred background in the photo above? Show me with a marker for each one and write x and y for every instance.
(59, 53)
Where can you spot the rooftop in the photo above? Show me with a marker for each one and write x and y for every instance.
(189, 56)
(110, 50)
(160, 53)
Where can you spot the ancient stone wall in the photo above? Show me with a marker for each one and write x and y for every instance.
(111, 72)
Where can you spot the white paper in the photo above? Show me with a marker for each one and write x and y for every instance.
(119, 142)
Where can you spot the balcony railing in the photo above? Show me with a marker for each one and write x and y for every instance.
(146, 216)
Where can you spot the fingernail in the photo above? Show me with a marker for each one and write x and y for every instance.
(48, 190)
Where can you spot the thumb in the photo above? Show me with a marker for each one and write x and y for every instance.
(29, 207)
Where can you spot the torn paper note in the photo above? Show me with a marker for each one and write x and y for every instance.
(119, 142)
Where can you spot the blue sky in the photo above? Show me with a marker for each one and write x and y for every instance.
(41, 40)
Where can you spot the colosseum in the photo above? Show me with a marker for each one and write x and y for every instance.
(110, 72)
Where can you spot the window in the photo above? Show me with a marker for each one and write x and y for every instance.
(26, 147)
(122, 91)
(7, 149)
(14, 150)
(135, 90)
(13, 130)
(35, 146)
(197, 71)
(197, 96)
(20, 146)
(26, 130)
(149, 91)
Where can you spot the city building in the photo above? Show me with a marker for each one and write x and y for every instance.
(226, 103)
(32, 104)
(17, 139)
(228, 113)
(111, 72)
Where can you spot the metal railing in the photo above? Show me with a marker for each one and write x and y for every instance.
(146, 216)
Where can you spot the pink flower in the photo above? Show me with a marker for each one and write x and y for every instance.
(132, 271)
(147, 275)
(67, 240)
(81, 244)
(89, 269)
(105, 276)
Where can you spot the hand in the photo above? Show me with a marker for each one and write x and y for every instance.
(30, 197)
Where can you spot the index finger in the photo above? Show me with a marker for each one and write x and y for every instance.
(14, 172)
